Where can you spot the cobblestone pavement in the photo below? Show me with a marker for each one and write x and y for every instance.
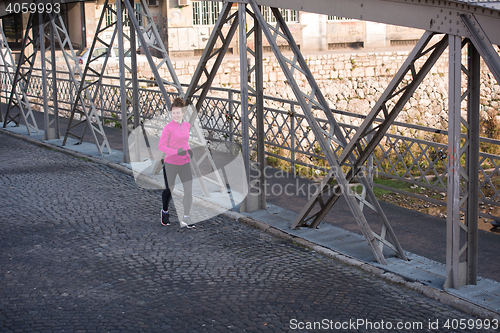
(82, 250)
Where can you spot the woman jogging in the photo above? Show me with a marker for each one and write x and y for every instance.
(174, 143)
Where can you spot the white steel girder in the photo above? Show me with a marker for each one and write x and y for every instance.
(19, 80)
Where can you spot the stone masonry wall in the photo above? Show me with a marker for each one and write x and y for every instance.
(351, 82)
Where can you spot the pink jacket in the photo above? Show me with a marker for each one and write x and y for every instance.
(173, 137)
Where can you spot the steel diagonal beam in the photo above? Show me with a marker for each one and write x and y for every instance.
(209, 53)
(151, 27)
(376, 133)
(372, 239)
(379, 131)
(19, 82)
(147, 53)
(482, 44)
(74, 70)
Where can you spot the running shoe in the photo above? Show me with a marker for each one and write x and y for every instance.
(186, 223)
(164, 218)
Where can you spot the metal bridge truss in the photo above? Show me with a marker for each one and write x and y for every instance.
(154, 42)
(254, 113)
(51, 26)
(354, 154)
(92, 117)
(463, 177)
(18, 81)
(85, 89)
(330, 136)
(345, 149)
(50, 99)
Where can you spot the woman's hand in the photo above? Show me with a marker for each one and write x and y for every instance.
(181, 152)
(190, 153)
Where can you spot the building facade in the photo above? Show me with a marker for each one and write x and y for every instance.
(185, 27)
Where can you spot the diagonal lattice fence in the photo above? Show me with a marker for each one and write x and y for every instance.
(414, 159)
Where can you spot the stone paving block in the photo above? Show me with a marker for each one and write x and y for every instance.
(82, 249)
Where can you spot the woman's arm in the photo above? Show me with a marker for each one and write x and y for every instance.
(163, 144)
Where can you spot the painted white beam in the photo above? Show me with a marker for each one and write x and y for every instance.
(434, 15)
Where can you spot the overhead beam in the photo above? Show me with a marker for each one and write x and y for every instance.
(436, 16)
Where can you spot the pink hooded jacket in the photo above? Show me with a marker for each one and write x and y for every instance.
(173, 137)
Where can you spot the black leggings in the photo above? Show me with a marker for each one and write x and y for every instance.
(170, 172)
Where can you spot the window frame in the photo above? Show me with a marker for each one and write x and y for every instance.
(289, 15)
(205, 13)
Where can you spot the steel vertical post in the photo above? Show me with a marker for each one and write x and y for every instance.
(245, 124)
(41, 35)
(292, 138)
(123, 87)
(135, 79)
(51, 126)
(471, 217)
(453, 269)
(259, 91)
(55, 99)
(231, 113)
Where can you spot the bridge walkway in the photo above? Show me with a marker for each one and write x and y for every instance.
(340, 233)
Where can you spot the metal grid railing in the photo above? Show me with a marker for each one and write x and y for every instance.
(417, 159)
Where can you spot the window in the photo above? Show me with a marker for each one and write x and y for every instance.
(289, 15)
(206, 12)
(111, 17)
(338, 18)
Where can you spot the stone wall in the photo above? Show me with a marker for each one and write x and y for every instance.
(350, 82)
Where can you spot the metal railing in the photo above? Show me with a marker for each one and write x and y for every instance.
(417, 159)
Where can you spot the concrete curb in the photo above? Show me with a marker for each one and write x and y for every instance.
(436, 294)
